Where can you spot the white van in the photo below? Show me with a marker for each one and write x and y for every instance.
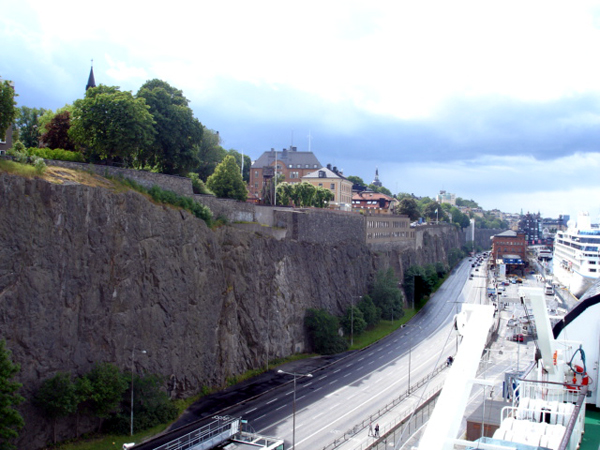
(549, 289)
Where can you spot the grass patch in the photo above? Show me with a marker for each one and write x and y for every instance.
(24, 170)
(384, 328)
(109, 442)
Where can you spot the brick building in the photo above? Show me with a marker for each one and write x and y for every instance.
(370, 202)
(292, 164)
(509, 248)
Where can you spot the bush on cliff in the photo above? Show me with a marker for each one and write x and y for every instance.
(386, 295)
(322, 331)
(10, 419)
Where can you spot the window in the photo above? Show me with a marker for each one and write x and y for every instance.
(294, 175)
(256, 173)
(307, 166)
(320, 184)
(332, 186)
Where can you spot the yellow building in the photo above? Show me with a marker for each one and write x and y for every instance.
(331, 179)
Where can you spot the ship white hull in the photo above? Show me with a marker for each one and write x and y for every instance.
(576, 283)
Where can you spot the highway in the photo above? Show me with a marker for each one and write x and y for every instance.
(344, 394)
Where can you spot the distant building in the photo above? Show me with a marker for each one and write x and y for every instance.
(446, 197)
(6, 141)
(509, 248)
(292, 164)
(330, 178)
(369, 202)
(531, 226)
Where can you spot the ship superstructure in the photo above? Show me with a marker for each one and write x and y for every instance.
(576, 262)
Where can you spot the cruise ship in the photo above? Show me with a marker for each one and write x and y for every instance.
(576, 262)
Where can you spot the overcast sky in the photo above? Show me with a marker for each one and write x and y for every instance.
(495, 101)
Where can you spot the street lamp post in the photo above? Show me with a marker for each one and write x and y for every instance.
(309, 375)
(132, 369)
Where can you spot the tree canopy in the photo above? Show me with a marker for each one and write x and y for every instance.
(226, 181)
(8, 112)
(409, 207)
(178, 133)
(10, 419)
(386, 295)
(56, 133)
(27, 122)
(113, 126)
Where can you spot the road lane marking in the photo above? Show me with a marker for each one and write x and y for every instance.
(271, 401)
(251, 410)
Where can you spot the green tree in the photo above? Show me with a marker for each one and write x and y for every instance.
(467, 203)
(284, 193)
(354, 312)
(322, 332)
(57, 397)
(151, 406)
(455, 255)
(371, 313)
(408, 206)
(247, 163)
(416, 284)
(10, 419)
(322, 197)
(226, 181)
(386, 295)
(178, 133)
(114, 126)
(210, 153)
(356, 180)
(8, 112)
(107, 388)
(303, 194)
(27, 123)
(56, 132)
(430, 212)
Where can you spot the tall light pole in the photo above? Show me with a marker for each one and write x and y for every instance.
(309, 375)
(132, 369)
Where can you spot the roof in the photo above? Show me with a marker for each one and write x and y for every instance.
(91, 81)
(328, 174)
(370, 195)
(507, 233)
(288, 157)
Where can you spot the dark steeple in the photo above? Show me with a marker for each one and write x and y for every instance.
(91, 81)
(376, 181)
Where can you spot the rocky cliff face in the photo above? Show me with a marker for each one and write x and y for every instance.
(88, 274)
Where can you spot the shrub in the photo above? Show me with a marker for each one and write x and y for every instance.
(56, 154)
(322, 330)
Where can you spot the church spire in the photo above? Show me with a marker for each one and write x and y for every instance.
(376, 181)
(91, 81)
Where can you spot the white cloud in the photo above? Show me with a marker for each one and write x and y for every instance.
(562, 186)
(120, 71)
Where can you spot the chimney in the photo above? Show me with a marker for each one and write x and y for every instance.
(329, 166)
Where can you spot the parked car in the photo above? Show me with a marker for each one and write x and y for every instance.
(517, 338)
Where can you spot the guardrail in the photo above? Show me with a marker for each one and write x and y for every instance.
(349, 434)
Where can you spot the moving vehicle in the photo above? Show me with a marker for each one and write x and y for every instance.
(549, 289)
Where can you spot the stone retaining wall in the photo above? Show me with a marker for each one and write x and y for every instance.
(177, 184)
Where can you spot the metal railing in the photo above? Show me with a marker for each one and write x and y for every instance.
(207, 436)
(349, 434)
